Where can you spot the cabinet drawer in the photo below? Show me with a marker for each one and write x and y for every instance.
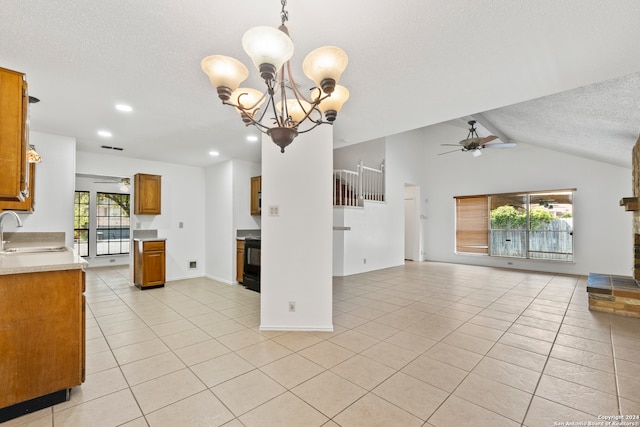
(153, 246)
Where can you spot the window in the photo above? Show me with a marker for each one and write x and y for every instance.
(472, 226)
(112, 223)
(523, 225)
(81, 223)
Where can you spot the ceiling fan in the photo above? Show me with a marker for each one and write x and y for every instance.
(125, 183)
(474, 143)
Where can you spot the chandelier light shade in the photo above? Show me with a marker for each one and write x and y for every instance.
(331, 105)
(225, 73)
(267, 47)
(249, 101)
(324, 66)
(287, 112)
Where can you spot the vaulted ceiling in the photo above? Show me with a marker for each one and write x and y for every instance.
(563, 75)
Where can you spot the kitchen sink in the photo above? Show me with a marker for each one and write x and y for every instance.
(34, 250)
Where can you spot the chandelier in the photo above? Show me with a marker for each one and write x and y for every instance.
(270, 50)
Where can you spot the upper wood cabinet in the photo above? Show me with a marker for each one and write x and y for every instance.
(28, 204)
(14, 135)
(147, 194)
(256, 190)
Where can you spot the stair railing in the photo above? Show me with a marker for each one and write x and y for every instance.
(352, 188)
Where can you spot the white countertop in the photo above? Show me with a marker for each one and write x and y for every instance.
(149, 239)
(17, 263)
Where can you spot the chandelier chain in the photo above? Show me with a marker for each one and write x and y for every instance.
(284, 15)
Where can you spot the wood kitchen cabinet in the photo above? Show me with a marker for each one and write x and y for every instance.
(147, 194)
(239, 260)
(149, 263)
(256, 190)
(42, 338)
(14, 135)
(28, 204)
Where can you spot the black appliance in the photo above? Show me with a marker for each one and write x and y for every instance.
(251, 276)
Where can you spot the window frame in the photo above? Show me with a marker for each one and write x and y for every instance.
(87, 230)
(523, 229)
(100, 207)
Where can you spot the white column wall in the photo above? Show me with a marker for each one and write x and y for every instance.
(297, 243)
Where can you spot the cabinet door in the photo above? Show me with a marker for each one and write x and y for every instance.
(28, 204)
(147, 195)
(42, 338)
(256, 189)
(153, 268)
(13, 135)
(239, 260)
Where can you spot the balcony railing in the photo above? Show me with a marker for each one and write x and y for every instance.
(352, 188)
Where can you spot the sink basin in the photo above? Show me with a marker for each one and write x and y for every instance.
(34, 250)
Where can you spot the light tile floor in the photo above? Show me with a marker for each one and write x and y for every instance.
(425, 344)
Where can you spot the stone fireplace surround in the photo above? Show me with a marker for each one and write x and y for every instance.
(621, 294)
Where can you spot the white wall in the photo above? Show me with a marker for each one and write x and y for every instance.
(54, 186)
(603, 241)
(370, 243)
(603, 238)
(242, 173)
(371, 153)
(297, 244)
(183, 200)
(220, 234)
(228, 209)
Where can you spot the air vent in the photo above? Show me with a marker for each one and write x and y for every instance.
(107, 147)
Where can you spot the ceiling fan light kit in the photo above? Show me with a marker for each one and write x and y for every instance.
(270, 50)
(475, 143)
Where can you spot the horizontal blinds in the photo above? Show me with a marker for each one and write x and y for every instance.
(472, 225)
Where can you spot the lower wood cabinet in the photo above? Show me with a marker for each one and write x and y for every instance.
(42, 336)
(239, 260)
(149, 263)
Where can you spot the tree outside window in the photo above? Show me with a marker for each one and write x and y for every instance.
(112, 224)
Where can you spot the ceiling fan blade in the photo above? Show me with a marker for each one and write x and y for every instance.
(449, 152)
(451, 145)
(486, 140)
(501, 145)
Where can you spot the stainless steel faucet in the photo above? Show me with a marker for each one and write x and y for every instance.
(2, 215)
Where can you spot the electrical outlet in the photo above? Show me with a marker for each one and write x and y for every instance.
(365, 261)
(292, 306)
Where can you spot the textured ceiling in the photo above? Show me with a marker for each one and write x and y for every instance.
(412, 64)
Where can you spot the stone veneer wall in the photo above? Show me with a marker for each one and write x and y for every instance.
(635, 159)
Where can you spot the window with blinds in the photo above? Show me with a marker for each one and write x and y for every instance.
(533, 225)
(472, 224)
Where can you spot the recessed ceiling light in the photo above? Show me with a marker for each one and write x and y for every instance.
(105, 133)
(124, 107)
(214, 153)
(252, 138)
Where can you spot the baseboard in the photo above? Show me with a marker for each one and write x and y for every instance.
(297, 328)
